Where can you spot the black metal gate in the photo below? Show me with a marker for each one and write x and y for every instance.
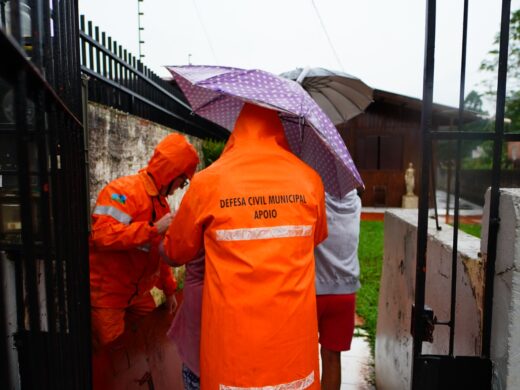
(451, 371)
(44, 292)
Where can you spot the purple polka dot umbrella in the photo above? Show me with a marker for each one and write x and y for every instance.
(218, 93)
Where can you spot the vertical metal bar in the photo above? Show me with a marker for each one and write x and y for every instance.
(104, 57)
(91, 63)
(83, 217)
(104, 95)
(494, 220)
(110, 70)
(27, 260)
(22, 136)
(66, 60)
(117, 74)
(121, 73)
(454, 253)
(422, 230)
(83, 43)
(116, 63)
(56, 161)
(128, 81)
(98, 59)
(36, 54)
(48, 50)
(4, 355)
(100, 91)
(434, 188)
(57, 45)
(2, 13)
(134, 83)
(78, 286)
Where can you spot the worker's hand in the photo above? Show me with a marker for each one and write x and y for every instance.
(171, 303)
(163, 223)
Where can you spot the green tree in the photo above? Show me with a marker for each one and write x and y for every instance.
(473, 102)
(490, 65)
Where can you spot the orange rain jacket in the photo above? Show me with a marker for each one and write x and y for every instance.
(259, 212)
(124, 260)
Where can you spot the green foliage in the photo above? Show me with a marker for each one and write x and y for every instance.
(446, 150)
(486, 160)
(212, 150)
(490, 65)
(370, 260)
(473, 102)
(473, 229)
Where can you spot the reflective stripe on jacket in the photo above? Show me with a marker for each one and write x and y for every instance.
(259, 212)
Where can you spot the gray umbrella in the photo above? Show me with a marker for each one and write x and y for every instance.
(340, 95)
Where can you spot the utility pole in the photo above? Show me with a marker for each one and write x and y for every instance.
(140, 28)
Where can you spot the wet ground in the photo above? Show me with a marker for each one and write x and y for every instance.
(357, 369)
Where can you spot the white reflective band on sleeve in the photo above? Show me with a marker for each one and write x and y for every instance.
(299, 384)
(144, 248)
(117, 214)
(264, 233)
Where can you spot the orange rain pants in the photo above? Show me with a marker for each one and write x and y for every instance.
(259, 212)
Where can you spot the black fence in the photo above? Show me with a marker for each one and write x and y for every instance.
(44, 293)
(118, 79)
(450, 371)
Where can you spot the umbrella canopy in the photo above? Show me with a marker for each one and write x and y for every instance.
(339, 94)
(218, 94)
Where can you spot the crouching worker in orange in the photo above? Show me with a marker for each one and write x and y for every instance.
(258, 212)
(128, 223)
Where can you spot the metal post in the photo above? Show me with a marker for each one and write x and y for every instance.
(422, 230)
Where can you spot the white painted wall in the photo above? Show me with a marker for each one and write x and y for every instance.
(505, 336)
(393, 340)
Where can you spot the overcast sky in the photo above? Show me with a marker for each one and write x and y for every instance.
(379, 41)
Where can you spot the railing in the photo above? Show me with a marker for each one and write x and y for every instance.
(450, 370)
(44, 293)
(118, 79)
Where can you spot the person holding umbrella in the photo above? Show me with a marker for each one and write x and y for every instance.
(258, 212)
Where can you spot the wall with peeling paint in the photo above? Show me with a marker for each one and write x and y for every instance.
(120, 144)
(393, 358)
(505, 336)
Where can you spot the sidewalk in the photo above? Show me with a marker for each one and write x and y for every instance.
(357, 368)
(356, 365)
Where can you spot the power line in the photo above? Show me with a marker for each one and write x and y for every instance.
(327, 35)
(205, 32)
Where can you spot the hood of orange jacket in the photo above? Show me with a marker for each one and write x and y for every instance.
(172, 157)
(257, 126)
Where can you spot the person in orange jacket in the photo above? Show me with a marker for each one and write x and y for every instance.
(128, 223)
(258, 212)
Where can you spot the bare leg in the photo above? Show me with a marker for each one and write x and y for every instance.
(331, 369)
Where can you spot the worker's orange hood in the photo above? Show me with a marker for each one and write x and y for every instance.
(172, 157)
(257, 127)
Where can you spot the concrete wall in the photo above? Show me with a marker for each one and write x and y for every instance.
(393, 340)
(505, 336)
(120, 144)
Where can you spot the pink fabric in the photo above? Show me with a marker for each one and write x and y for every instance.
(185, 328)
